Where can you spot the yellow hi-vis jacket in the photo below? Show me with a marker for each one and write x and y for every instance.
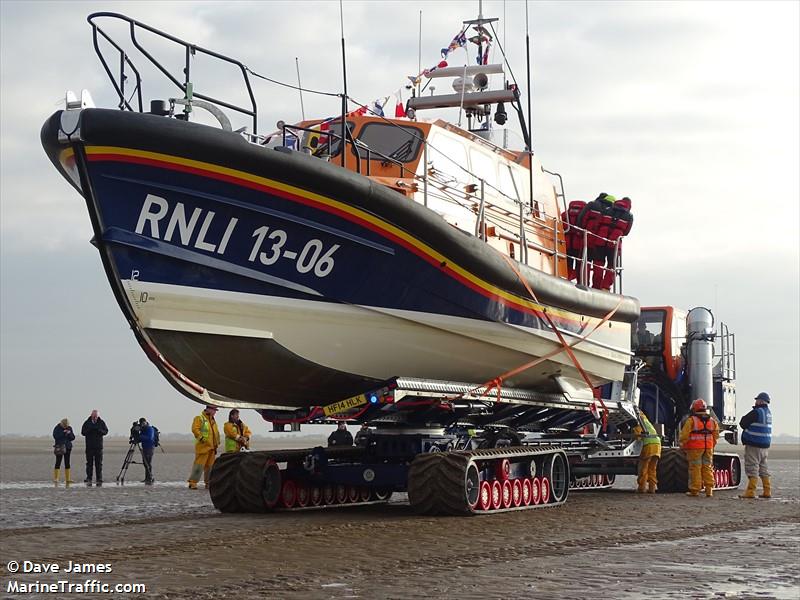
(232, 432)
(205, 432)
(649, 436)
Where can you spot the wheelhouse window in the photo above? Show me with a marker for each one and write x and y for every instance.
(647, 334)
(397, 142)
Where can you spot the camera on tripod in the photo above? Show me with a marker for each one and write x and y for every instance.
(136, 433)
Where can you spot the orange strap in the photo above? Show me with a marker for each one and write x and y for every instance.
(565, 347)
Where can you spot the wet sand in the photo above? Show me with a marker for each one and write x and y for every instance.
(612, 543)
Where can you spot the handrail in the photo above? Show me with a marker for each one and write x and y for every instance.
(187, 86)
(120, 89)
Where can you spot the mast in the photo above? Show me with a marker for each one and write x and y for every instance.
(419, 51)
(530, 122)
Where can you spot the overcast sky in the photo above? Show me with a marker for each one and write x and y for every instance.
(691, 109)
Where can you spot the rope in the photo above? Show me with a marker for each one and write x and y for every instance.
(290, 86)
(497, 382)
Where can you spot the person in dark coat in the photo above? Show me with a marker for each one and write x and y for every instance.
(94, 428)
(362, 436)
(340, 437)
(147, 438)
(62, 440)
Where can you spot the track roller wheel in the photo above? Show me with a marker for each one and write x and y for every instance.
(726, 478)
(341, 494)
(497, 494)
(222, 482)
(303, 495)
(383, 494)
(503, 469)
(315, 495)
(485, 496)
(329, 494)
(352, 494)
(536, 490)
(545, 490)
(364, 494)
(508, 494)
(289, 493)
(516, 492)
(527, 493)
(610, 479)
(558, 477)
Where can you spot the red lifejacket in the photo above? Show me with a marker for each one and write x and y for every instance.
(622, 221)
(574, 236)
(593, 218)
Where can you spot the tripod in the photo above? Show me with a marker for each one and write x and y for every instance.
(127, 462)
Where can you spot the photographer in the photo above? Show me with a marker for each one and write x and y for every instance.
(145, 434)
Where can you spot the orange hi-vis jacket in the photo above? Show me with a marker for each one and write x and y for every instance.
(702, 433)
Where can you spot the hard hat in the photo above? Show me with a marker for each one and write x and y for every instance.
(763, 396)
(699, 405)
(210, 407)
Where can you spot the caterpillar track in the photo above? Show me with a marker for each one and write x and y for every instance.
(254, 482)
(488, 481)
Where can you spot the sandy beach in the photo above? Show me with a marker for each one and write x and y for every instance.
(612, 542)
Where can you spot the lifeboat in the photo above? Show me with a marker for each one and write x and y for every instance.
(313, 264)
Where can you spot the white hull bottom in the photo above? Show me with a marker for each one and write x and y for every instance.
(381, 343)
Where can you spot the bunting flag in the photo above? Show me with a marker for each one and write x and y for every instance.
(377, 106)
(359, 112)
(483, 37)
(399, 108)
(459, 41)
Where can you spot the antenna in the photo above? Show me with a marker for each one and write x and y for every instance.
(300, 88)
(530, 88)
(419, 51)
(344, 78)
(530, 123)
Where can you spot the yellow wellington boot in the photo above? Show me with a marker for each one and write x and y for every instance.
(750, 492)
(690, 493)
(67, 478)
(192, 485)
(651, 489)
(709, 491)
(767, 488)
(56, 475)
